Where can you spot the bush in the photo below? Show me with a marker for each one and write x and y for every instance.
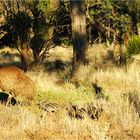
(134, 45)
(66, 42)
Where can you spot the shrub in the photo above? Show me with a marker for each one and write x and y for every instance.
(134, 45)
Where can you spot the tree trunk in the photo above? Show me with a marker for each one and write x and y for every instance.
(36, 56)
(138, 28)
(25, 57)
(79, 35)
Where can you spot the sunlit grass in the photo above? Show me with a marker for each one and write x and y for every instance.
(63, 98)
(120, 119)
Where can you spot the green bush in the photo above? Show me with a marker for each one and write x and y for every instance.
(66, 41)
(134, 45)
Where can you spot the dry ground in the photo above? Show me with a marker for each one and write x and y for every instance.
(120, 119)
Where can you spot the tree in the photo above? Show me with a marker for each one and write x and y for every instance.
(40, 28)
(18, 27)
(27, 28)
(79, 36)
(109, 20)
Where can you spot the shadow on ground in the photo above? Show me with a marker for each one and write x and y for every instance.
(8, 58)
(4, 99)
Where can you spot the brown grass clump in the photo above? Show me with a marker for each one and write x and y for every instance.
(16, 82)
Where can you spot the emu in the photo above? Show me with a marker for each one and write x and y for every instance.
(16, 82)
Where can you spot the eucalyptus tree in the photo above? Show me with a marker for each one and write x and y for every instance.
(79, 34)
(18, 27)
(28, 27)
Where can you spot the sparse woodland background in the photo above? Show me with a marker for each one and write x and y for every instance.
(84, 57)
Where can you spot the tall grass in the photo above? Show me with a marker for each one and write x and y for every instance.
(120, 119)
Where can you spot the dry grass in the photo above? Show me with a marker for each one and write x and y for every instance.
(120, 118)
